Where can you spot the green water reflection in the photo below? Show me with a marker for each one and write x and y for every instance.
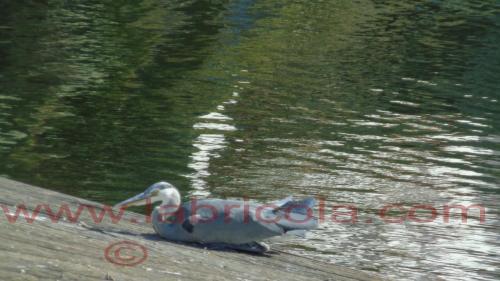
(361, 102)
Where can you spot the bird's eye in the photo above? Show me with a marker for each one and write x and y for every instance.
(155, 192)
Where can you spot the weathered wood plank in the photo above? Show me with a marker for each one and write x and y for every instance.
(45, 250)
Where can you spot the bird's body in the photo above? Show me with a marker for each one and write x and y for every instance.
(222, 221)
(230, 222)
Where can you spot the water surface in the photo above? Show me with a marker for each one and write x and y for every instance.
(362, 103)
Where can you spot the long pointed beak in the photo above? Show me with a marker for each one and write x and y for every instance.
(138, 200)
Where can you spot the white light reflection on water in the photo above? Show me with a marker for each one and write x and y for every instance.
(209, 144)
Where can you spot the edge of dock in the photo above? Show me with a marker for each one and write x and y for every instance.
(51, 248)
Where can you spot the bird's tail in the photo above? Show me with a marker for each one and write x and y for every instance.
(296, 215)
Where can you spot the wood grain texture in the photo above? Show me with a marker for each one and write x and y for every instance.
(46, 250)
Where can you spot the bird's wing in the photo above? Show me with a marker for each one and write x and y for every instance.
(189, 223)
(228, 221)
(282, 202)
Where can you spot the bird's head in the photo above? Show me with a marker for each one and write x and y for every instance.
(159, 192)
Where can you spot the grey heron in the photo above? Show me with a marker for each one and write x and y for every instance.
(237, 224)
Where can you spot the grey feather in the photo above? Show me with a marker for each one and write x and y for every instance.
(234, 221)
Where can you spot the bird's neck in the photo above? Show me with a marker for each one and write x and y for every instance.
(170, 200)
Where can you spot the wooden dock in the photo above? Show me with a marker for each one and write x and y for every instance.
(126, 250)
